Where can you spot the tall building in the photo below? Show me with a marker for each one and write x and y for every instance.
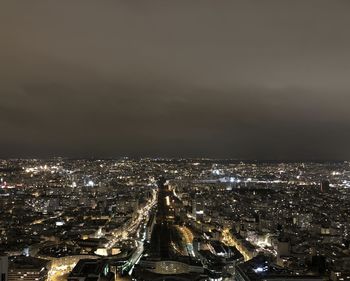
(27, 269)
(325, 186)
(198, 207)
(283, 251)
(150, 225)
(3, 268)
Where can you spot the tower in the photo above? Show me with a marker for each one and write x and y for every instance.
(3, 268)
(325, 186)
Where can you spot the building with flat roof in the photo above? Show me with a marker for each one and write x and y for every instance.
(261, 269)
(153, 269)
(27, 269)
(91, 270)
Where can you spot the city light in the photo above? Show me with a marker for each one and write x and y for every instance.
(205, 217)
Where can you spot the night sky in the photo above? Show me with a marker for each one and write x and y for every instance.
(225, 79)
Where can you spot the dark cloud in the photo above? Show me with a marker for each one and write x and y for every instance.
(245, 79)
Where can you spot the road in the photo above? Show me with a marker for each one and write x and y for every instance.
(59, 273)
(130, 230)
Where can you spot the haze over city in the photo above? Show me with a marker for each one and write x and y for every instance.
(235, 79)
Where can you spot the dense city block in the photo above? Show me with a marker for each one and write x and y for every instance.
(173, 219)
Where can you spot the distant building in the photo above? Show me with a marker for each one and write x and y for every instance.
(325, 186)
(283, 250)
(27, 269)
(3, 268)
(91, 270)
(150, 226)
(247, 249)
(198, 207)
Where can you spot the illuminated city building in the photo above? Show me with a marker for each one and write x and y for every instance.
(262, 269)
(325, 186)
(28, 269)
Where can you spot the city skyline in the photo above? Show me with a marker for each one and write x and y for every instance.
(156, 219)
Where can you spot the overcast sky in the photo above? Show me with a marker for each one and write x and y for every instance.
(228, 79)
